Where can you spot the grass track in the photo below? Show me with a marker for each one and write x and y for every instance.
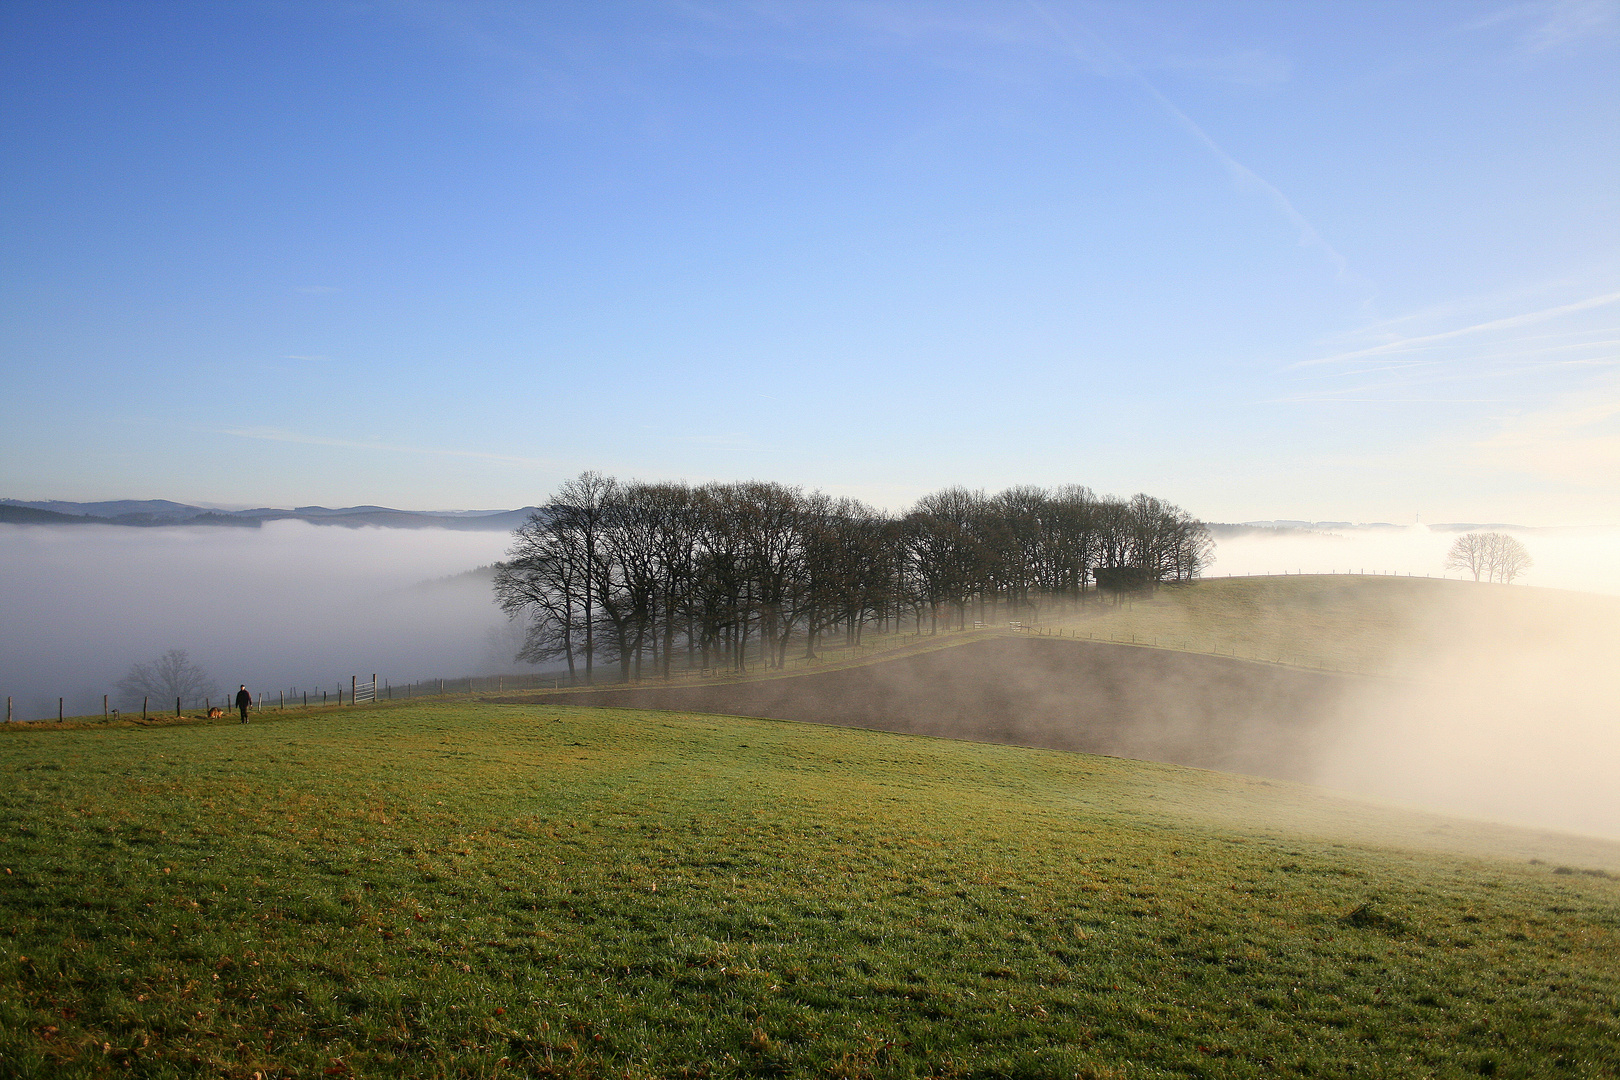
(481, 890)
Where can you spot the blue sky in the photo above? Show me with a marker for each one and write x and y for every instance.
(1266, 260)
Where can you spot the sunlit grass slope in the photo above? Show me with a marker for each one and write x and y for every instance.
(519, 890)
(1371, 625)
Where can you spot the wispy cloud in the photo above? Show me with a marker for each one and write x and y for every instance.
(1568, 21)
(1533, 361)
(267, 434)
(1549, 25)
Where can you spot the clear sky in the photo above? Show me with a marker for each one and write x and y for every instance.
(1350, 261)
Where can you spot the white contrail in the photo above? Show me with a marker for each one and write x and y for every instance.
(1240, 173)
(1495, 324)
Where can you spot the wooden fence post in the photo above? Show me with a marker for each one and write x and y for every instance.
(143, 708)
(58, 710)
(354, 681)
(177, 708)
(104, 706)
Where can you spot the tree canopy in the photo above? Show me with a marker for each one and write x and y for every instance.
(638, 574)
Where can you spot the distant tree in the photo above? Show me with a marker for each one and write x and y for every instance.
(172, 675)
(1493, 556)
(1508, 558)
(1468, 553)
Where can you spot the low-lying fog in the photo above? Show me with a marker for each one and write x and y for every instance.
(1507, 710)
(1585, 559)
(1500, 703)
(1506, 701)
(283, 606)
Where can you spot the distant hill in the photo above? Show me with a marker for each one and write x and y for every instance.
(11, 514)
(1284, 525)
(158, 512)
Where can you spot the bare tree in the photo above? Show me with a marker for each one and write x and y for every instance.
(172, 675)
(544, 580)
(1489, 556)
(582, 504)
(636, 571)
(1509, 558)
(1469, 554)
(1493, 556)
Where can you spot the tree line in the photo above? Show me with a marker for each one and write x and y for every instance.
(647, 576)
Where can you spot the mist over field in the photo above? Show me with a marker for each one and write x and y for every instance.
(1505, 700)
(287, 605)
(1502, 705)
(1582, 559)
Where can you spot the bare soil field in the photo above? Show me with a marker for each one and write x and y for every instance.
(1155, 704)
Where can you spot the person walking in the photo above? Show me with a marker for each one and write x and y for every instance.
(243, 700)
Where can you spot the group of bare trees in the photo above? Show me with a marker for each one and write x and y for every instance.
(650, 575)
(1493, 556)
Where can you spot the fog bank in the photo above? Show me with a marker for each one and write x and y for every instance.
(287, 605)
(1586, 559)
(1504, 704)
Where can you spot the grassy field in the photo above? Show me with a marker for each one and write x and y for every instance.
(1363, 624)
(1370, 625)
(484, 890)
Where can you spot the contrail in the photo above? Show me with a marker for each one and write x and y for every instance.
(1240, 173)
(1507, 323)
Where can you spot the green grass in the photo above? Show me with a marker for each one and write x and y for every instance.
(1365, 624)
(1372, 625)
(481, 890)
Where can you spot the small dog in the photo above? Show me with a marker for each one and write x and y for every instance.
(215, 713)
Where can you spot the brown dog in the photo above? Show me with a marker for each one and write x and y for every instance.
(215, 713)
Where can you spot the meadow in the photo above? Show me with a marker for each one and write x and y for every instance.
(1349, 623)
(474, 889)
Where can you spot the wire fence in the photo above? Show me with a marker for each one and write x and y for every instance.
(688, 669)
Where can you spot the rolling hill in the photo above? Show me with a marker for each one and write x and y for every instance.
(492, 890)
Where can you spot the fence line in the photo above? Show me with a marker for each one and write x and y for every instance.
(606, 676)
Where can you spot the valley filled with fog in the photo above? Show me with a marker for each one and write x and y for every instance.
(283, 606)
(1494, 717)
(299, 605)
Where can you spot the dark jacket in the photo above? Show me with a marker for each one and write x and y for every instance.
(243, 699)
